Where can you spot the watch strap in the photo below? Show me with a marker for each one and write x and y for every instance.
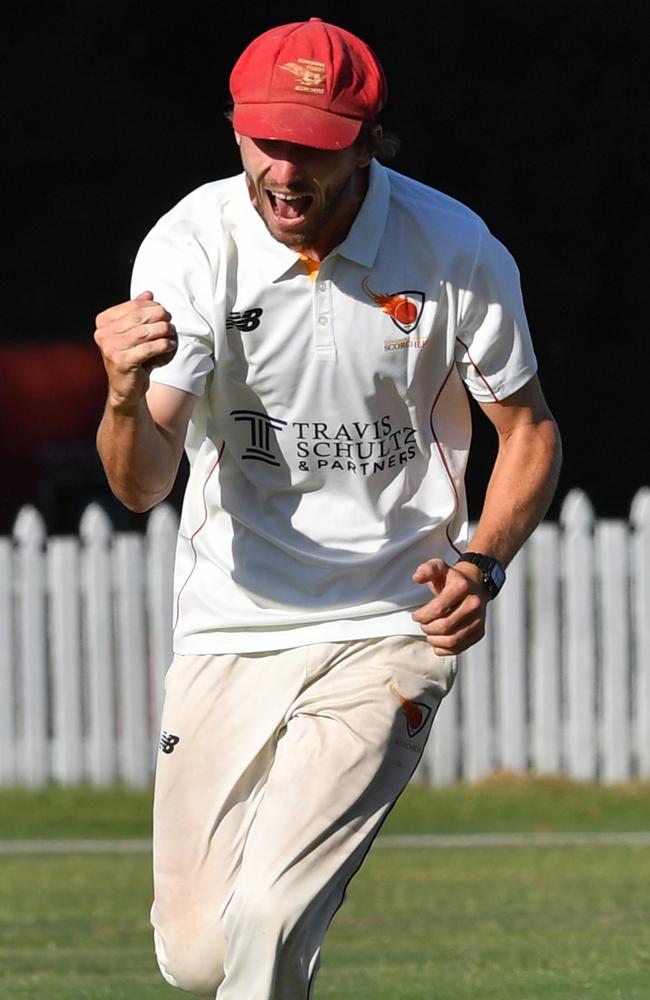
(492, 572)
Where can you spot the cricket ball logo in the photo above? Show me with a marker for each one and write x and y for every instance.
(404, 308)
(416, 712)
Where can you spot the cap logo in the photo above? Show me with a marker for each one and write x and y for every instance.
(310, 75)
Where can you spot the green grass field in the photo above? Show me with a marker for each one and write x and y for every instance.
(423, 924)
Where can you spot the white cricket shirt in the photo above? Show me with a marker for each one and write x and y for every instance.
(328, 444)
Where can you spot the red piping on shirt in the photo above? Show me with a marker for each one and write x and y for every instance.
(443, 459)
(478, 370)
(200, 528)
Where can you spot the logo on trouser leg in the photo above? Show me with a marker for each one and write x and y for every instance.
(416, 712)
(168, 742)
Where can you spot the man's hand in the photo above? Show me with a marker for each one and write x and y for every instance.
(455, 618)
(142, 432)
(133, 338)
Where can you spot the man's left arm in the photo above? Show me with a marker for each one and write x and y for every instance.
(522, 484)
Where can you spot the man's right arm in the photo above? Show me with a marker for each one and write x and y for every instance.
(142, 432)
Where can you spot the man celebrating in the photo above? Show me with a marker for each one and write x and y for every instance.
(307, 330)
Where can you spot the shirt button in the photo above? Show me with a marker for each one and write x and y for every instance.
(322, 287)
(323, 320)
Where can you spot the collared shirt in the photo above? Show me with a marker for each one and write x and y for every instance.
(330, 436)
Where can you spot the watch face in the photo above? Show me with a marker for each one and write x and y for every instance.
(498, 575)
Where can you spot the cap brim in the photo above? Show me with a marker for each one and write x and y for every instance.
(296, 123)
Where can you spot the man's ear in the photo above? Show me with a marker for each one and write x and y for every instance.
(369, 149)
(237, 138)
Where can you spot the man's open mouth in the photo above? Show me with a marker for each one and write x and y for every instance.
(288, 207)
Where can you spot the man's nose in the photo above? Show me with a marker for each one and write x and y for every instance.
(287, 162)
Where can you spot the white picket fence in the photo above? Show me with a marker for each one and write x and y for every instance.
(560, 685)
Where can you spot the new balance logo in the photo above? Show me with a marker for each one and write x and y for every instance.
(168, 742)
(244, 321)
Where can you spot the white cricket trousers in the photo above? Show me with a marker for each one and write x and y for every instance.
(275, 773)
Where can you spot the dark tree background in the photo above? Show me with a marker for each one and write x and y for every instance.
(533, 114)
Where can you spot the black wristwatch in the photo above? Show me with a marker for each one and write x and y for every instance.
(493, 573)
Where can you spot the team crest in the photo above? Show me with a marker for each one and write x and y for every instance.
(416, 712)
(310, 75)
(404, 308)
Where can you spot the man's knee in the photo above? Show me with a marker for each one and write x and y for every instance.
(191, 961)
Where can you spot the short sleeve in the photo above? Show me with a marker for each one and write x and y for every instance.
(494, 351)
(174, 265)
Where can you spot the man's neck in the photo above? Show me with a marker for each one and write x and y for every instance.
(339, 225)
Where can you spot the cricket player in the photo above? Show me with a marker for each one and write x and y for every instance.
(309, 331)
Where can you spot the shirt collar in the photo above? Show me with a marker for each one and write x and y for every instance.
(273, 260)
(362, 243)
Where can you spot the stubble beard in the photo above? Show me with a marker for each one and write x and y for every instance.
(305, 238)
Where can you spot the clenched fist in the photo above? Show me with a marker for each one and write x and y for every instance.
(133, 337)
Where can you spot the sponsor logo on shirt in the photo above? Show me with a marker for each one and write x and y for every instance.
(261, 426)
(357, 447)
(404, 309)
(244, 321)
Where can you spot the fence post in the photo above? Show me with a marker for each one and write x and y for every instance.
(97, 596)
(134, 740)
(510, 668)
(545, 651)
(8, 735)
(162, 529)
(613, 628)
(441, 754)
(579, 614)
(29, 532)
(640, 603)
(66, 688)
(476, 682)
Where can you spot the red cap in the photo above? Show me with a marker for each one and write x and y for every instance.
(307, 82)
